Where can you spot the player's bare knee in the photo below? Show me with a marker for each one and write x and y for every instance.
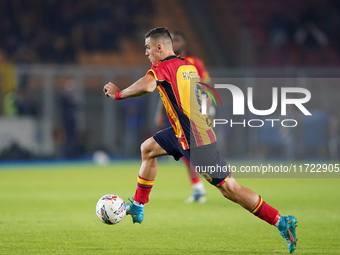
(229, 189)
(144, 149)
(147, 148)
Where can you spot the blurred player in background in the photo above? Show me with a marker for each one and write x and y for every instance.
(190, 134)
(179, 43)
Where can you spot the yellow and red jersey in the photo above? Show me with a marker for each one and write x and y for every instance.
(202, 71)
(176, 78)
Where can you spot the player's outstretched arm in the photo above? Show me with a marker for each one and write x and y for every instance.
(144, 85)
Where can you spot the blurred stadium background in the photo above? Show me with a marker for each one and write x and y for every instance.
(56, 55)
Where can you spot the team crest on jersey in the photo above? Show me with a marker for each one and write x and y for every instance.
(199, 90)
(198, 95)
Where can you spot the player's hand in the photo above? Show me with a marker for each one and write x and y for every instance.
(110, 90)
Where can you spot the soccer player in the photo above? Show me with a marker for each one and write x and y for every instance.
(179, 46)
(190, 135)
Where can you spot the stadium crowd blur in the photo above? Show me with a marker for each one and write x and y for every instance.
(314, 26)
(54, 31)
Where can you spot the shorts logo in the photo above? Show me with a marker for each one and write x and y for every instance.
(206, 176)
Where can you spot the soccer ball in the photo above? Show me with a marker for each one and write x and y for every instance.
(110, 209)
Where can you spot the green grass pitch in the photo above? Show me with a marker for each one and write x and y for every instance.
(50, 209)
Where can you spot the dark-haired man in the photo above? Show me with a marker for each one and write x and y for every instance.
(190, 135)
(179, 44)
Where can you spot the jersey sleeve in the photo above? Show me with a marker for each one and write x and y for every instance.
(158, 71)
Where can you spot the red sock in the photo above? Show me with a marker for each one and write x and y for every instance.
(194, 176)
(265, 212)
(143, 190)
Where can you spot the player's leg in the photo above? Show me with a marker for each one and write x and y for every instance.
(150, 150)
(252, 202)
(238, 194)
(198, 190)
(161, 144)
(208, 157)
(248, 199)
